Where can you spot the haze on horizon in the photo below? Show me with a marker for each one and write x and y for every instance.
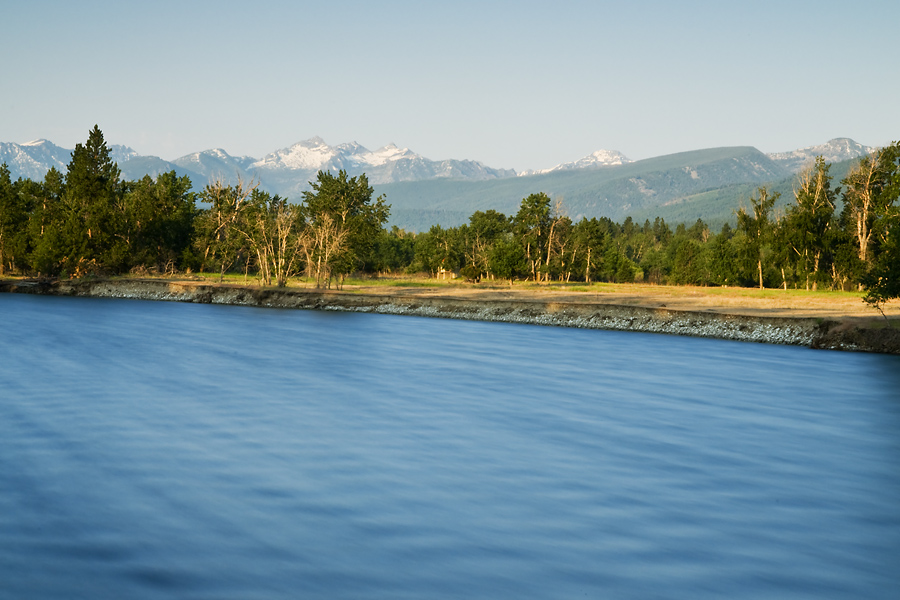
(522, 85)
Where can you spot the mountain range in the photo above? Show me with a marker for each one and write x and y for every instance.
(424, 192)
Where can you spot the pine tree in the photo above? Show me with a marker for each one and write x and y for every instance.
(46, 225)
(13, 221)
(94, 216)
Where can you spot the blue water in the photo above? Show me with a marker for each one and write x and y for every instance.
(161, 450)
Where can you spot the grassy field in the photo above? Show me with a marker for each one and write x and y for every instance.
(422, 281)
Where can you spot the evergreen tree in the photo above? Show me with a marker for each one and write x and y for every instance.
(46, 226)
(688, 262)
(158, 221)
(13, 222)
(723, 259)
(94, 215)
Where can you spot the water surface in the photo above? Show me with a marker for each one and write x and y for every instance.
(162, 450)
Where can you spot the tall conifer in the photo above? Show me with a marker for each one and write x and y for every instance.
(92, 201)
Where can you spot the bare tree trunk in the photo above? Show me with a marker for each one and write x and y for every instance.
(587, 269)
(816, 271)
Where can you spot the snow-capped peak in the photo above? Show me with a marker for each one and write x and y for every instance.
(600, 158)
(309, 154)
(120, 153)
(385, 154)
(314, 153)
(835, 150)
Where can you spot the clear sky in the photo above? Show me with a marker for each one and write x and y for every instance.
(512, 84)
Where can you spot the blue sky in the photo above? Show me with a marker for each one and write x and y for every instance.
(512, 84)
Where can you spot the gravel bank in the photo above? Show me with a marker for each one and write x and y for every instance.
(811, 332)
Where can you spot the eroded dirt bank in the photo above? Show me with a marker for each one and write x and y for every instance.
(591, 311)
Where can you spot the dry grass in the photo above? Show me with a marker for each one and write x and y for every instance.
(842, 306)
(747, 301)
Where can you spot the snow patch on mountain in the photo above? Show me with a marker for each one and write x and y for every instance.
(310, 154)
(119, 153)
(836, 150)
(600, 158)
(385, 155)
(388, 164)
(33, 159)
(314, 154)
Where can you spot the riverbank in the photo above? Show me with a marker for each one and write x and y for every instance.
(839, 326)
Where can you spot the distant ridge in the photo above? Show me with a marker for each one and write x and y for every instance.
(288, 170)
(706, 184)
(285, 171)
(641, 187)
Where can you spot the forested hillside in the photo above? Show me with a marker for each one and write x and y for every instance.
(614, 192)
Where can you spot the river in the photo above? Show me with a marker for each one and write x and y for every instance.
(166, 450)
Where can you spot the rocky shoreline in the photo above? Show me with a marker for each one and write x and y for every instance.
(811, 332)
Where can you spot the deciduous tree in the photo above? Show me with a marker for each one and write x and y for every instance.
(532, 226)
(870, 193)
(343, 208)
(219, 236)
(758, 227)
(808, 220)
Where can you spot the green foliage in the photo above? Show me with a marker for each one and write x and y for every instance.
(532, 226)
(689, 262)
(345, 222)
(723, 258)
(439, 250)
(883, 278)
(758, 229)
(643, 189)
(219, 239)
(587, 240)
(273, 229)
(90, 221)
(44, 227)
(393, 252)
(507, 258)
(14, 212)
(93, 211)
(158, 220)
(93, 221)
(808, 221)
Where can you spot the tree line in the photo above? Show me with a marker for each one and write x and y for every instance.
(836, 235)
